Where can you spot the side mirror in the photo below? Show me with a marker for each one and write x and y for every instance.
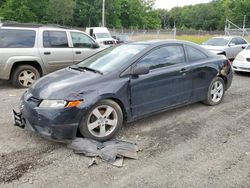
(140, 70)
(231, 44)
(243, 47)
(95, 45)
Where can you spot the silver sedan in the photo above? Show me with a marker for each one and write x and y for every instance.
(228, 46)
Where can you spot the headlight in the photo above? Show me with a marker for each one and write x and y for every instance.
(53, 104)
(240, 58)
(59, 103)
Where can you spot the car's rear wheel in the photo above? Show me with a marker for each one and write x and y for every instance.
(216, 92)
(24, 76)
(103, 121)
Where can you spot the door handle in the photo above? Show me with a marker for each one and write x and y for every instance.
(47, 53)
(78, 52)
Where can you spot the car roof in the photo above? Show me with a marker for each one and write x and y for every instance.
(227, 37)
(162, 42)
(30, 25)
(155, 43)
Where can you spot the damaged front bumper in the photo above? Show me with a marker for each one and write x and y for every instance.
(57, 124)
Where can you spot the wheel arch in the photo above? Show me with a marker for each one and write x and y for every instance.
(120, 103)
(224, 78)
(34, 64)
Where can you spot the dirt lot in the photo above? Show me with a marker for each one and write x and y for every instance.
(194, 146)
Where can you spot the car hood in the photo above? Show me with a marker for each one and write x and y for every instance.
(245, 53)
(65, 84)
(105, 39)
(214, 49)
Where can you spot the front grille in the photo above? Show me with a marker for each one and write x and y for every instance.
(248, 69)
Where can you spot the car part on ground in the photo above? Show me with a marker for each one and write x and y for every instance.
(37, 50)
(123, 83)
(109, 151)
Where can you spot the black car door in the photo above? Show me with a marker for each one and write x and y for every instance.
(200, 71)
(167, 84)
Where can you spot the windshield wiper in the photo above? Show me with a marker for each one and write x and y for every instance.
(76, 68)
(90, 69)
(85, 68)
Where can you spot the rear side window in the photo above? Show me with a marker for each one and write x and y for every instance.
(194, 54)
(238, 41)
(10, 38)
(55, 39)
(241, 41)
(164, 56)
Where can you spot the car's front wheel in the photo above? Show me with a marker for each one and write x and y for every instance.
(103, 121)
(216, 92)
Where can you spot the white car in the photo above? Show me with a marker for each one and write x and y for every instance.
(229, 46)
(242, 61)
(102, 35)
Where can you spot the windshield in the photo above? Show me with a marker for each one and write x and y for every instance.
(248, 47)
(217, 42)
(102, 35)
(112, 58)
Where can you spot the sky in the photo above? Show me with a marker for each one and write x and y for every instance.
(168, 4)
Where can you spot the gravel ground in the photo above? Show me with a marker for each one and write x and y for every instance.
(193, 146)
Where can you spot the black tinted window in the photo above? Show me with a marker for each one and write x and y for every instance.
(238, 41)
(10, 38)
(55, 39)
(241, 41)
(194, 54)
(164, 56)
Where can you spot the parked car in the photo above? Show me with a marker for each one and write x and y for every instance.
(102, 35)
(242, 61)
(228, 46)
(122, 84)
(30, 51)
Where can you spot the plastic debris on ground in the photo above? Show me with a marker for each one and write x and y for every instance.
(113, 151)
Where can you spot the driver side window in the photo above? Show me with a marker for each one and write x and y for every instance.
(164, 56)
(234, 41)
(81, 40)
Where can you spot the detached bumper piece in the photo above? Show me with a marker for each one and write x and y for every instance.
(18, 120)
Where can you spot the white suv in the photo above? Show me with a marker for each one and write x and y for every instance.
(30, 51)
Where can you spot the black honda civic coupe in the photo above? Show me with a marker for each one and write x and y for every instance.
(122, 84)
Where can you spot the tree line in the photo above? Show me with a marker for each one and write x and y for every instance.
(134, 14)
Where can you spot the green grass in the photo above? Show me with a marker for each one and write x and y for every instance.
(199, 39)
(193, 38)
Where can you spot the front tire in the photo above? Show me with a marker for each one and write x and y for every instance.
(103, 121)
(24, 76)
(216, 92)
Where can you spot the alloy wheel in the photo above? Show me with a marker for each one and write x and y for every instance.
(102, 121)
(217, 91)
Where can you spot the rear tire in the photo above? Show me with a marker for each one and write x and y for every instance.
(24, 76)
(216, 92)
(102, 121)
